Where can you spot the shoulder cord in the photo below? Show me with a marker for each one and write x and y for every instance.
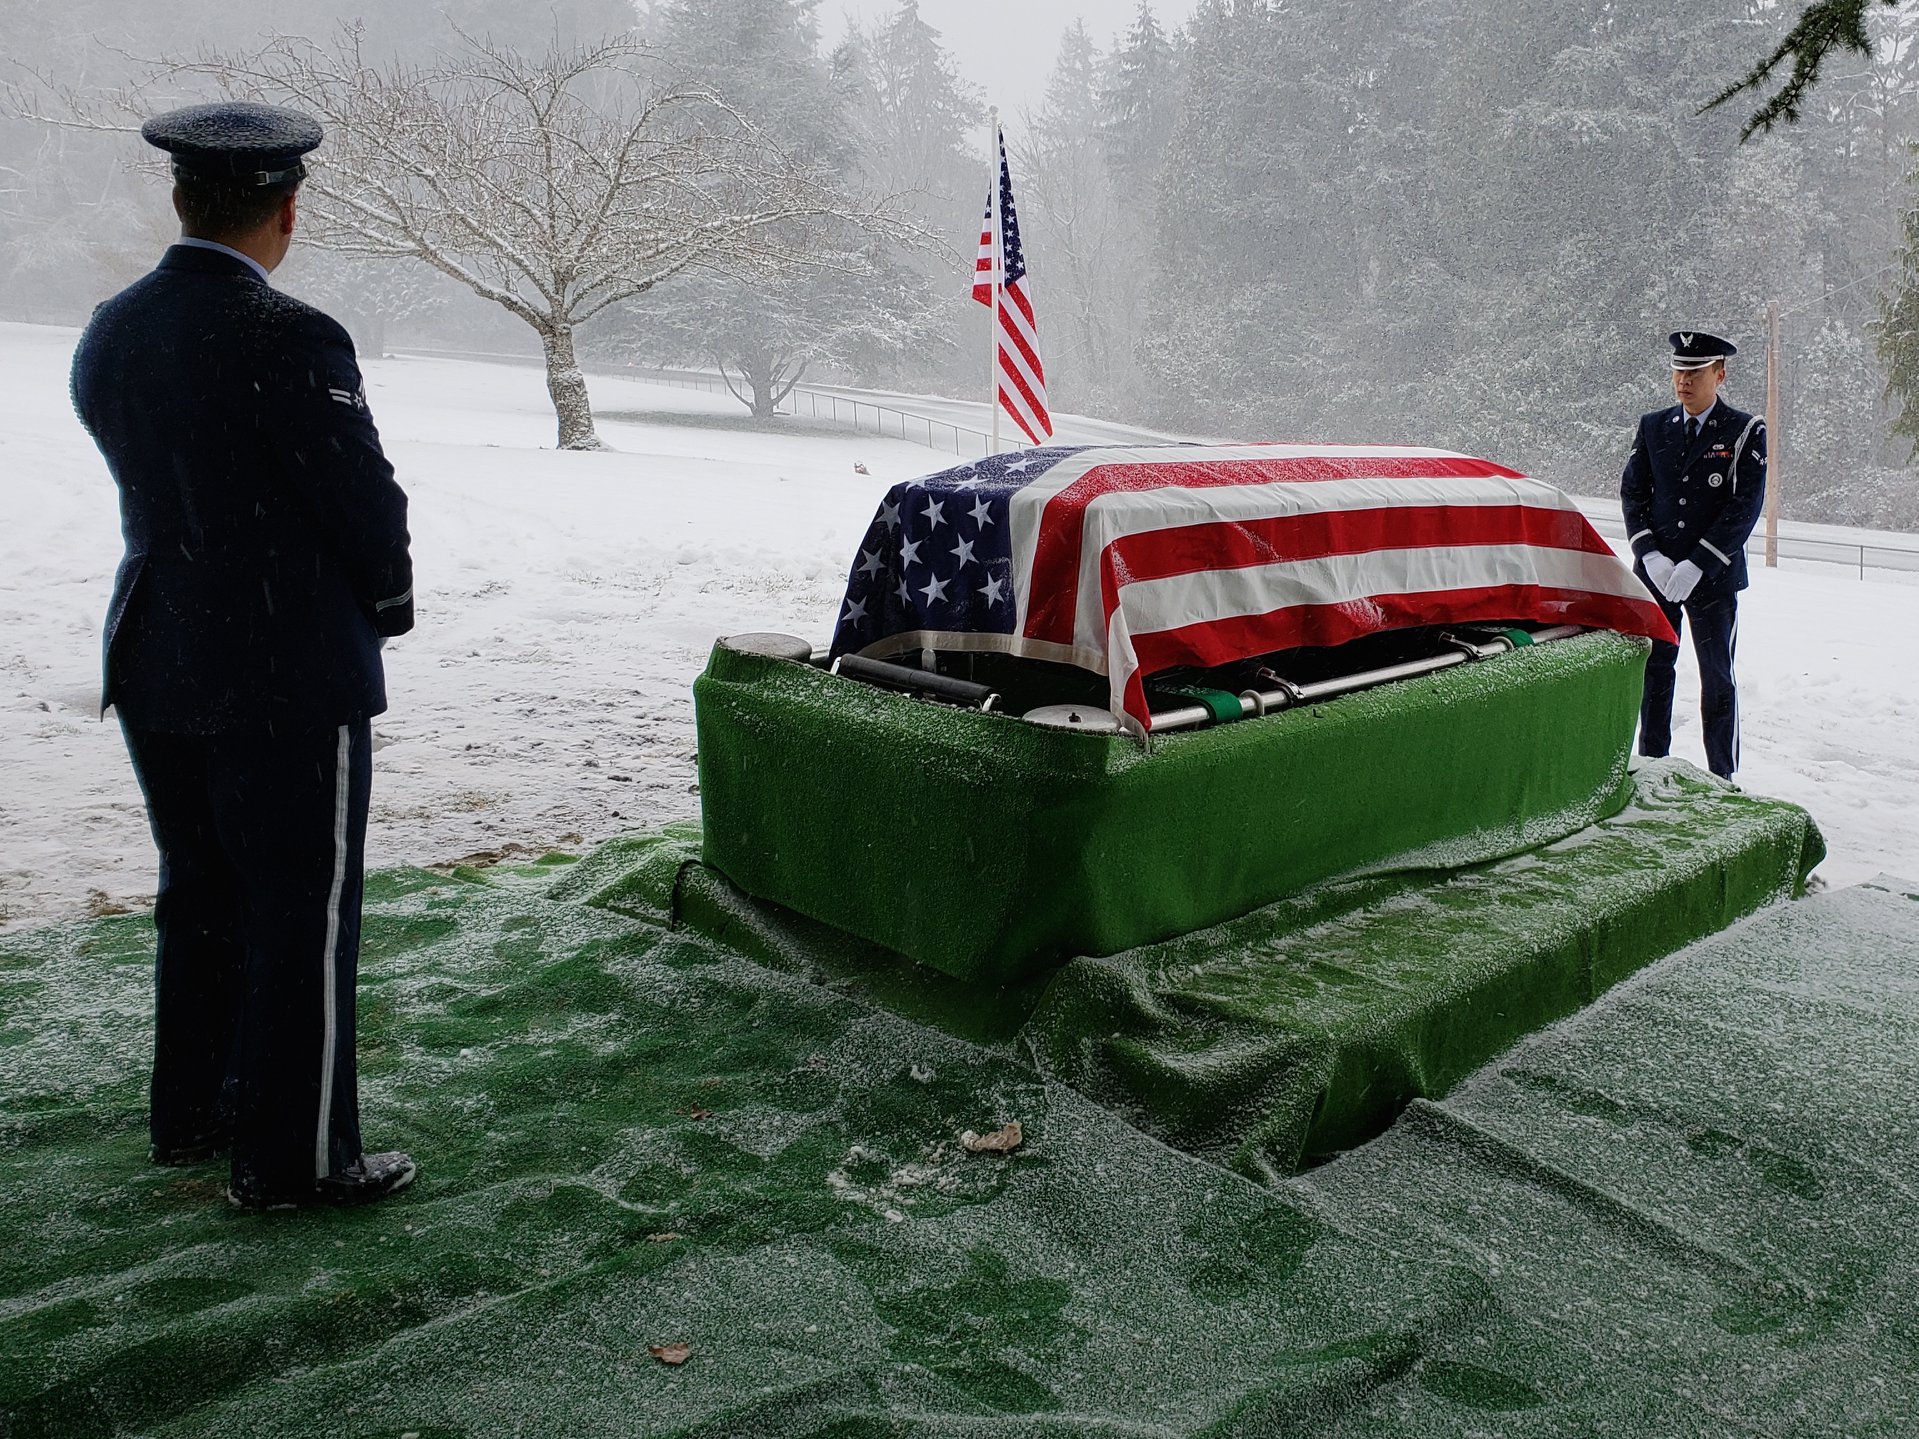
(1740, 444)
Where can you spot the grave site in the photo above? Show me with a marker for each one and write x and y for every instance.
(1093, 1027)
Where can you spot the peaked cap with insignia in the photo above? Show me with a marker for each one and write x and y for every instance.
(237, 141)
(1695, 349)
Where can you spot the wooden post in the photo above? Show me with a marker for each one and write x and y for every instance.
(1773, 447)
(993, 278)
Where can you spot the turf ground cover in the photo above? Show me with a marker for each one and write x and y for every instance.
(1684, 1211)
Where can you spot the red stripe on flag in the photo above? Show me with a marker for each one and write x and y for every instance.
(1016, 292)
(1011, 403)
(1010, 338)
(1062, 524)
(1017, 381)
(1217, 642)
(1234, 545)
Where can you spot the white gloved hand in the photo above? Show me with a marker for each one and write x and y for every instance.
(1658, 569)
(1680, 583)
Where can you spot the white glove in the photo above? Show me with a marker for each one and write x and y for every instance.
(1679, 584)
(1658, 569)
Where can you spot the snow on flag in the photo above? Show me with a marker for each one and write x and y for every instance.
(1129, 561)
(1020, 378)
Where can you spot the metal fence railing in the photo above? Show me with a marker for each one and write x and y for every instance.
(866, 416)
(1857, 556)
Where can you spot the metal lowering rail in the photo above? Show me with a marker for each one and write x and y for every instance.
(1280, 694)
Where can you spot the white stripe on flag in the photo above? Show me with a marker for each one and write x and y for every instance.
(1022, 413)
(1120, 516)
(1154, 605)
(1252, 501)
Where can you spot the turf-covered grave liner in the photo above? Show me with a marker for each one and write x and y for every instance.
(1683, 1212)
(1277, 1040)
(992, 849)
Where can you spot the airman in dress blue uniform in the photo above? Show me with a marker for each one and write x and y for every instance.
(266, 560)
(1692, 492)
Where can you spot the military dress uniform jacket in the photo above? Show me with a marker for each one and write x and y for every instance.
(1697, 502)
(266, 540)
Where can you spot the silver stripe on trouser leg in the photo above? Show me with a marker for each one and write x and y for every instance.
(342, 783)
(1732, 675)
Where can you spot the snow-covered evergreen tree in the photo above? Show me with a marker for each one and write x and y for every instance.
(920, 131)
(1136, 106)
(1897, 332)
(761, 332)
(1083, 283)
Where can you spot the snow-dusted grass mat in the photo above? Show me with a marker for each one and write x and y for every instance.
(1692, 1207)
(1686, 1212)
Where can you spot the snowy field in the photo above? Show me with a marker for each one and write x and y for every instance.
(566, 602)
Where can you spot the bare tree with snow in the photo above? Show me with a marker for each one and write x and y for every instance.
(554, 186)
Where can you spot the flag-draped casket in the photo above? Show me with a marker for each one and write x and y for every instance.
(990, 847)
(1129, 561)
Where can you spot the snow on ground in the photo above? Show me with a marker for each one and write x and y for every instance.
(566, 602)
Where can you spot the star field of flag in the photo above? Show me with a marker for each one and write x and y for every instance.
(938, 555)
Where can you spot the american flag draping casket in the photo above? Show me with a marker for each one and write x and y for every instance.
(1130, 561)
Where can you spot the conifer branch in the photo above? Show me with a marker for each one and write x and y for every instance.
(1823, 27)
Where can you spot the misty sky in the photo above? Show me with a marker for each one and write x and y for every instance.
(1008, 46)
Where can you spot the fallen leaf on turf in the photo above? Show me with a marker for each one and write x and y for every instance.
(100, 904)
(666, 1238)
(670, 1353)
(1001, 1141)
(699, 1112)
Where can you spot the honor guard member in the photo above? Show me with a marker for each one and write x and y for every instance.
(266, 559)
(1692, 492)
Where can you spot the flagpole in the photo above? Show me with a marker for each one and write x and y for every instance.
(998, 272)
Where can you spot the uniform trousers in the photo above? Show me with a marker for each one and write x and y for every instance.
(1715, 636)
(261, 839)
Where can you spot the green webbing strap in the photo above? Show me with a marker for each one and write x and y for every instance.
(1225, 708)
(1520, 638)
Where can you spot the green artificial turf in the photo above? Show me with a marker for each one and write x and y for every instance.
(630, 1137)
(1685, 1211)
(992, 849)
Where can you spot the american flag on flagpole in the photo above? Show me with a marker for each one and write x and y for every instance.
(1020, 378)
(1130, 561)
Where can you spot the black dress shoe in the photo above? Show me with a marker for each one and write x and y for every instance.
(256, 1200)
(370, 1177)
(194, 1151)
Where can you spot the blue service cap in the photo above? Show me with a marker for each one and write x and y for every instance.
(238, 141)
(1695, 349)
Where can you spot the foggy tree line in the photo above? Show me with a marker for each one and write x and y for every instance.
(885, 113)
(555, 183)
(1462, 222)
(1471, 223)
